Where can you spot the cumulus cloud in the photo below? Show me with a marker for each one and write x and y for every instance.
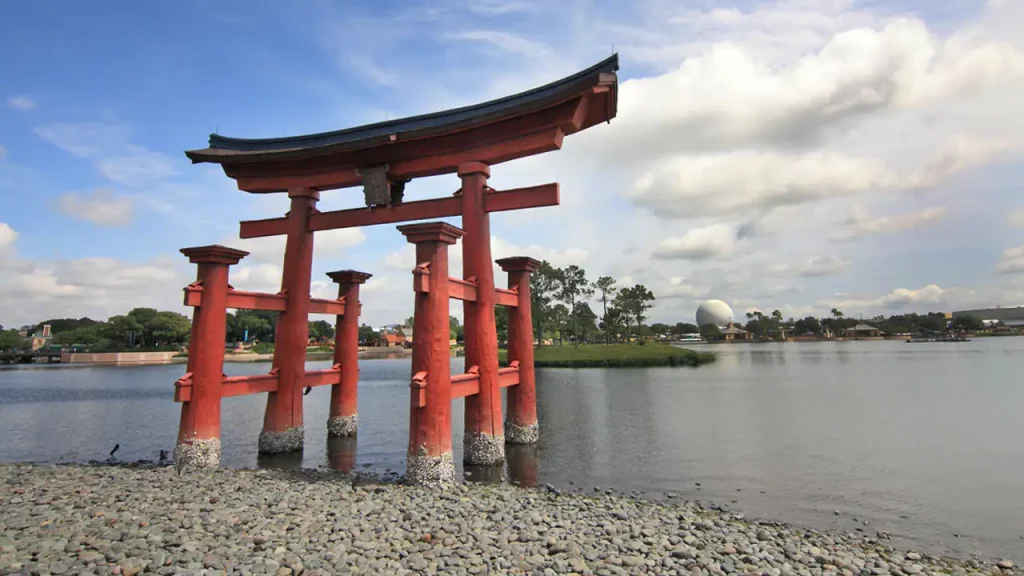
(728, 96)
(1011, 261)
(22, 102)
(862, 224)
(7, 236)
(101, 207)
(813, 267)
(98, 287)
(899, 299)
(746, 181)
(1016, 218)
(706, 243)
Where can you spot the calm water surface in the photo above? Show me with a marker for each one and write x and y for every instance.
(925, 441)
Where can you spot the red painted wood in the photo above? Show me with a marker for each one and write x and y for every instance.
(243, 385)
(522, 399)
(183, 388)
(240, 300)
(492, 143)
(329, 377)
(519, 198)
(497, 201)
(430, 424)
(284, 407)
(404, 212)
(506, 297)
(462, 290)
(323, 306)
(344, 396)
(508, 376)
(421, 278)
(261, 228)
(483, 410)
(200, 412)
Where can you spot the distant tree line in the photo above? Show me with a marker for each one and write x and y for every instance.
(773, 325)
(150, 329)
(139, 329)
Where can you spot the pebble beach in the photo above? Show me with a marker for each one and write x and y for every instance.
(76, 519)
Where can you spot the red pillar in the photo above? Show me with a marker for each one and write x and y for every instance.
(483, 441)
(430, 427)
(199, 429)
(344, 415)
(282, 424)
(521, 424)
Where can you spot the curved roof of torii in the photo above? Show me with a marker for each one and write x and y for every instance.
(520, 125)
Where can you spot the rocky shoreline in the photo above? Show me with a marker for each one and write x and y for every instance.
(73, 519)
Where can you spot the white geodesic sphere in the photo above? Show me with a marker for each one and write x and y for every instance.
(714, 312)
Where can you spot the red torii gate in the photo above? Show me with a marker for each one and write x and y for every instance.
(383, 158)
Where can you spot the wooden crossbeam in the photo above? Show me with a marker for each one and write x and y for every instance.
(467, 384)
(328, 377)
(505, 297)
(256, 384)
(242, 300)
(460, 289)
(324, 306)
(508, 376)
(497, 201)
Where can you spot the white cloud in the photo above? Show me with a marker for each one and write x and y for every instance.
(109, 146)
(98, 287)
(899, 299)
(1016, 218)
(84, 139)
(138, 167)
(729, 96)
(861, 224)
(1011, 261)
(369, 69)
(813, 267)
(101, 207)
(741, 182)
(715, 241)
(22, 102)
(7, 236)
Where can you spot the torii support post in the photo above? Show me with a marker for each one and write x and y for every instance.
(521, 423)
(483, 440)
(430, 426)
(199, 430)
(282, 423)
(344, 415)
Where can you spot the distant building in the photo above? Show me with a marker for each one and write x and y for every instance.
(407, 332)
(861, 331)
(731, 332)
(1008, 316)
(42, 339)
(394, 340)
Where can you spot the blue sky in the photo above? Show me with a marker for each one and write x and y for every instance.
(797, 155)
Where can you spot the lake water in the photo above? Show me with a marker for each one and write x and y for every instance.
(924, 441)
